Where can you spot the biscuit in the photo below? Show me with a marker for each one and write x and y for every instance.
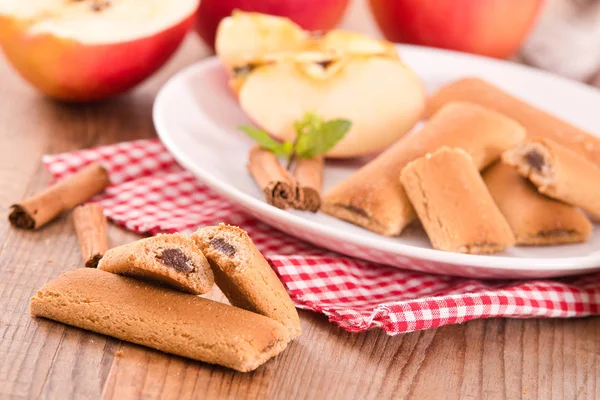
(454, 205)
(244, 276)
(160, 318)
(535, 219)
(174, 260)
(373, 196)
(538, 123)
(558, 172)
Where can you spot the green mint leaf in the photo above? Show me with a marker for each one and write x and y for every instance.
(318, 137)
(267, 142)
(309, 123)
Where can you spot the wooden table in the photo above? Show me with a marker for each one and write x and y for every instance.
(496, 358)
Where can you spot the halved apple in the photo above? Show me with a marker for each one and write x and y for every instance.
(381, 96)
(81, 50)
(248, 38)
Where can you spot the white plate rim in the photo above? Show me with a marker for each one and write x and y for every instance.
(469, 260)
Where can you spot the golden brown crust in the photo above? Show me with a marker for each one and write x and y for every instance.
(374, 198)
(454, 205)
(558, 172)
(244, 276)
(538, 123)
(375, 202)
(535, 219)
(174, 260)
(160, 318)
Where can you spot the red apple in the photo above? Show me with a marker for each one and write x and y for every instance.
(493, 28)
(83, 50)
(312, 15)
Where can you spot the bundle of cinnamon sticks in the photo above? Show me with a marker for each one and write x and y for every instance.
(300, 189)
(88, 219)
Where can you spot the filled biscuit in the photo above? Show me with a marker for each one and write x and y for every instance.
(161, 318)
(558, 172)
(174, 260)
(535, 219)
(538, 123)
(374, 198)
(454, 205)
(244, 276)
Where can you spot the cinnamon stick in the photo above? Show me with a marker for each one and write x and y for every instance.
(66, 194)
(90, 226)
(309, 174)
(278, 186)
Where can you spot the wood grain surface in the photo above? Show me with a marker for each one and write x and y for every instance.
(485, 359)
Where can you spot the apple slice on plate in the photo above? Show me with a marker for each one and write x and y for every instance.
(381, 96)
(245, 37)
(250, 38)
(81, 50)
(347, 42)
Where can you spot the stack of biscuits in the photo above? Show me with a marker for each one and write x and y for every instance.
(147, 292)
(485, 172)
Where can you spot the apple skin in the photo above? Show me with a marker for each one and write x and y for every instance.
(311, 15)
(493, 28)
(68, 70)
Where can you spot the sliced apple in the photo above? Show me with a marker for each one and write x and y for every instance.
(250, 38)
(239, 74)
(80, 50)
(245, 37)
(345, 42)
(381, 96)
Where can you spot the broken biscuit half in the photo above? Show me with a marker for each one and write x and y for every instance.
(536, 220)
(558, 172)
(244, 276)
(171, 259)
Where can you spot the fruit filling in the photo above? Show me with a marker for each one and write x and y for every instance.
(535, 160)
(176, 259)
(222, 246)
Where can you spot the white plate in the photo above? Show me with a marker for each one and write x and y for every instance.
(196, 117)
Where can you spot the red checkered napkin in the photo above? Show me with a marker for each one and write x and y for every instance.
(151, 193)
